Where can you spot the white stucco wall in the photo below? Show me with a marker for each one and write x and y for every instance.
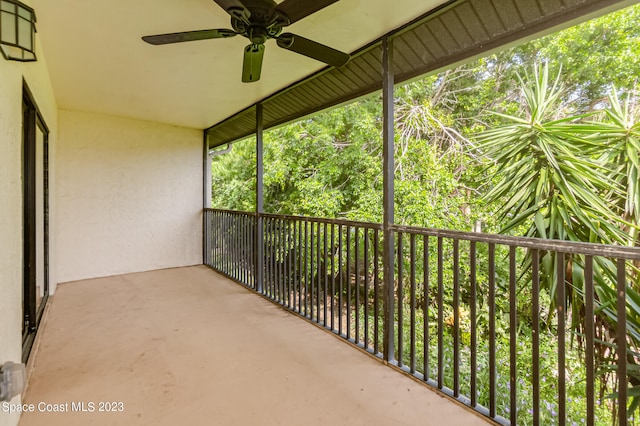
(11, 80)
(129, 196)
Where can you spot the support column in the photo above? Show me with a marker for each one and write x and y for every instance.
(206, 199)
(259, 242)
(388, 198)
(207, 157)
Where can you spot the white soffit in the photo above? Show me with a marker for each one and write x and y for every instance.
(98, 63)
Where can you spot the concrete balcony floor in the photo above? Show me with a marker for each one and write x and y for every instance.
(187, 346)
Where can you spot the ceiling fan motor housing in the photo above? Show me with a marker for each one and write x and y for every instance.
(260, 24)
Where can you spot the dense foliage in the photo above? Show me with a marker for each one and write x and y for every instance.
(541, 140)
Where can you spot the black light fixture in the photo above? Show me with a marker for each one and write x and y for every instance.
(17, 31)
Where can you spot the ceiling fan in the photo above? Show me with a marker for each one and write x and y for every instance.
(260, 20)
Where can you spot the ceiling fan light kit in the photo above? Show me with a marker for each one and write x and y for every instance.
(259, 21)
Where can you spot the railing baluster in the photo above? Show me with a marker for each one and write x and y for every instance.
(229, 237)
(278, 263)
(225, 252)
(535, 331)
(425, 323)
(250, 255)
(621, 340)
(237, 231)
(513, 328)
(264, 262)
(294, 266)
(400, 296)
(247, 251)
(440, 315)
(333, 275)
(560, 311)
(348, 242)
(366, 288)
(207, 236)
(213, 232)
(318, 273)
(238, 243)
(412, 302)
(243, 250)
(456, 318)
(219, 227)
(274, 259)
(206, 240)
(376, 287)
(254, 252)
(291, 296)
(289, 257)
(340, 280)
(306, 268)
(271, 259)
(311, 269)
(299, 276)
(222, 255)
(473, 343)
(282, 274)
(279, 274)
(234, 241)
(233, 272)
(357, 281)
(283, 263)
(266, 227)
(325, 274)
(223, 244)
(492, 330)
(226, 247)
(589, 337)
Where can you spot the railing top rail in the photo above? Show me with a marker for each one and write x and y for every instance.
(345, 222)
(570, 247)
(232, 211)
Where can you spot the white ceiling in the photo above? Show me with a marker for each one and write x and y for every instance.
(98, 63)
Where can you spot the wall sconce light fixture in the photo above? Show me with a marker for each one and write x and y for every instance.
(17, 31)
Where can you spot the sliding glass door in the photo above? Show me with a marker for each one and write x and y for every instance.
(35, 172)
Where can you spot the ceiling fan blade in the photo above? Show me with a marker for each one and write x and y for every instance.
(235, 8)
(295, 10)
(229, 4)
(252, 66)
(312, 49)
(188, 36)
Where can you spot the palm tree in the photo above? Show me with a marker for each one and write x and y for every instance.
(550, 186)
(570, 177)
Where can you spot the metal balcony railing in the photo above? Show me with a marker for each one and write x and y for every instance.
(470, 314)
